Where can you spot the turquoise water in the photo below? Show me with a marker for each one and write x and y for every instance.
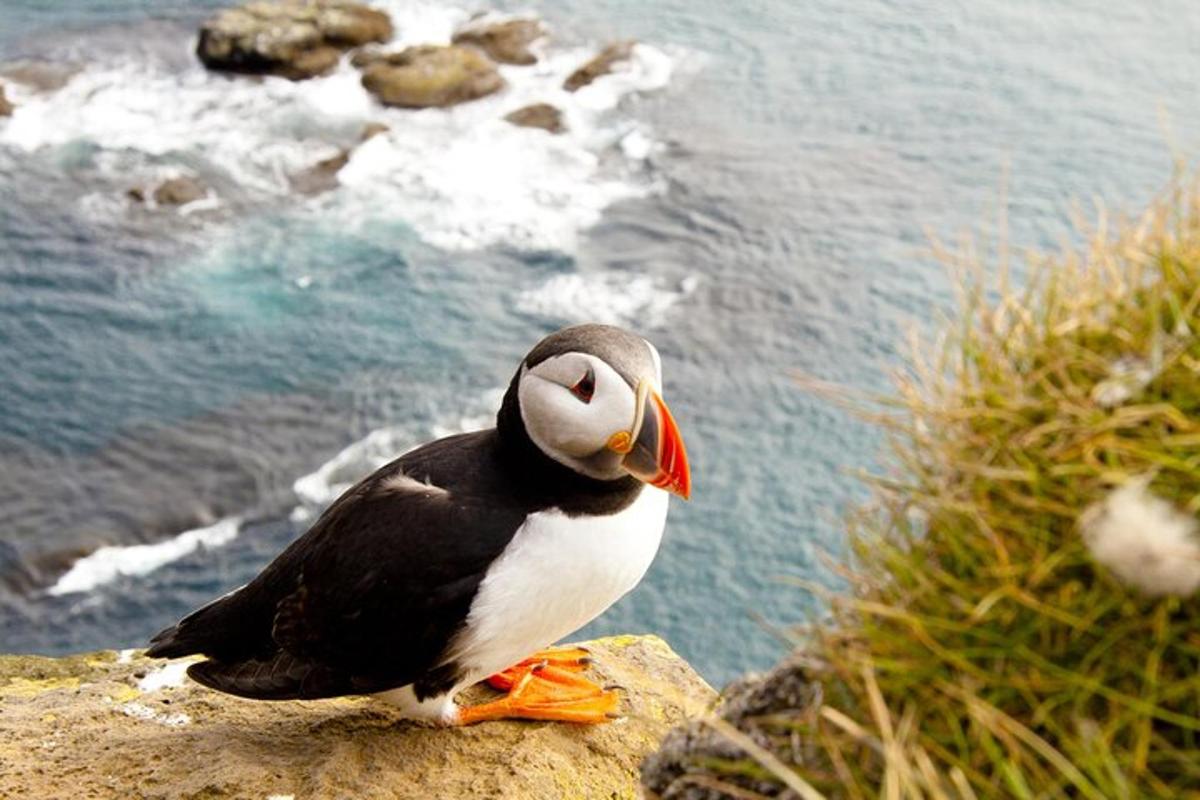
(761, 211)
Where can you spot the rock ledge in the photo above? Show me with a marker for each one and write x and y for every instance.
(105, 725)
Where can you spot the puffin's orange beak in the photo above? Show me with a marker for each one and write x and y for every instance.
(654, 450)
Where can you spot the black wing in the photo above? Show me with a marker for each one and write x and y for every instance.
(369, 598)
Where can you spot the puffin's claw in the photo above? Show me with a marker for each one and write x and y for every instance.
(547, 687)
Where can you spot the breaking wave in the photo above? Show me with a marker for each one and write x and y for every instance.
(112, 562)
(616, 298)
(325, 484)
(462, 177)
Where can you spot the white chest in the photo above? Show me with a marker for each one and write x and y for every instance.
(558, 574)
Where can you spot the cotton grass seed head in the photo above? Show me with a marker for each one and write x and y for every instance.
(1145, 541)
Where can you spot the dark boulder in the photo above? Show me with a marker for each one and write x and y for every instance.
(290, 38)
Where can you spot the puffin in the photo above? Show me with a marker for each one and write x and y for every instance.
(465, 559)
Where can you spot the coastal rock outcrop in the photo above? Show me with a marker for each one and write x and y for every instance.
(539, 115)
(104, 725)
(428, 76)
(601, 64)
(6, 107)
(507, 41)
(295, 39)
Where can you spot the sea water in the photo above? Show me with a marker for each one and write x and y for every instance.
(183, 390)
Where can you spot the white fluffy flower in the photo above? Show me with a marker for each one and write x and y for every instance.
(1147, 542)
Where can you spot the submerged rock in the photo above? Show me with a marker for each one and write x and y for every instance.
(104, 726)
(601, 64)
(39, 76)
(538, 115)
(372, 129)
(429, 76)
(6, 108)
(506, 42)
(320, 177)
(179, 191)
(171, 192)
(291, 38)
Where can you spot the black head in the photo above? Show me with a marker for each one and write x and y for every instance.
(588, 399)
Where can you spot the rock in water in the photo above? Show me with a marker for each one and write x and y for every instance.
(92, 726)
(602, 64)
(429, 76)
(6, 108)
(37, 75)
(538, 115)
(507, 42)
(291, 38)
(320, 177)
(179, 191)
(371, 130)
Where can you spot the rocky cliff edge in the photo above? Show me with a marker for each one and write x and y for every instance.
(109, 724)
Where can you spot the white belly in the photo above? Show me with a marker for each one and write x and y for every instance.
(558, 574)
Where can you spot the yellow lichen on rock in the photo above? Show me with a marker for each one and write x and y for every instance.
(161, 738)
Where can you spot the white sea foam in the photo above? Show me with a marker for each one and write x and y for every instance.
(321, 487)
(111, 562)
(462, 177)
(615, 298)
(358, 459)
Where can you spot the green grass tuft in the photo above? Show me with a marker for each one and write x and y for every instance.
(980, 650)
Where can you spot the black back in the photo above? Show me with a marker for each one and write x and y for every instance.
(373, 594)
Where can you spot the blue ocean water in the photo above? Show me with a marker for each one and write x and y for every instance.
(755, 198)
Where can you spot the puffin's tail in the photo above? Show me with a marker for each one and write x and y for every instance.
(279, 677)
(169, 643)
(216, 629)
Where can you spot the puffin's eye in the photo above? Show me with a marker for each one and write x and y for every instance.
(586, 386)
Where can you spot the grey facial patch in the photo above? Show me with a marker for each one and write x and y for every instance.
(624, 351)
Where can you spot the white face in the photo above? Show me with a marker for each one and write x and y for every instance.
(572, 404)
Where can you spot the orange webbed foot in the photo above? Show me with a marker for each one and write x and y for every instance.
(547, 686)
(574, 659)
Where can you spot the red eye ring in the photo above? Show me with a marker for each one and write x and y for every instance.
(586, 386)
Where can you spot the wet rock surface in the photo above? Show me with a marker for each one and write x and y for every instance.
(176, 191)
(179, 191)
(101, 725)
(320, 177)
(429, 76)
(506, 42)
(601, 64)
(538, 115)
